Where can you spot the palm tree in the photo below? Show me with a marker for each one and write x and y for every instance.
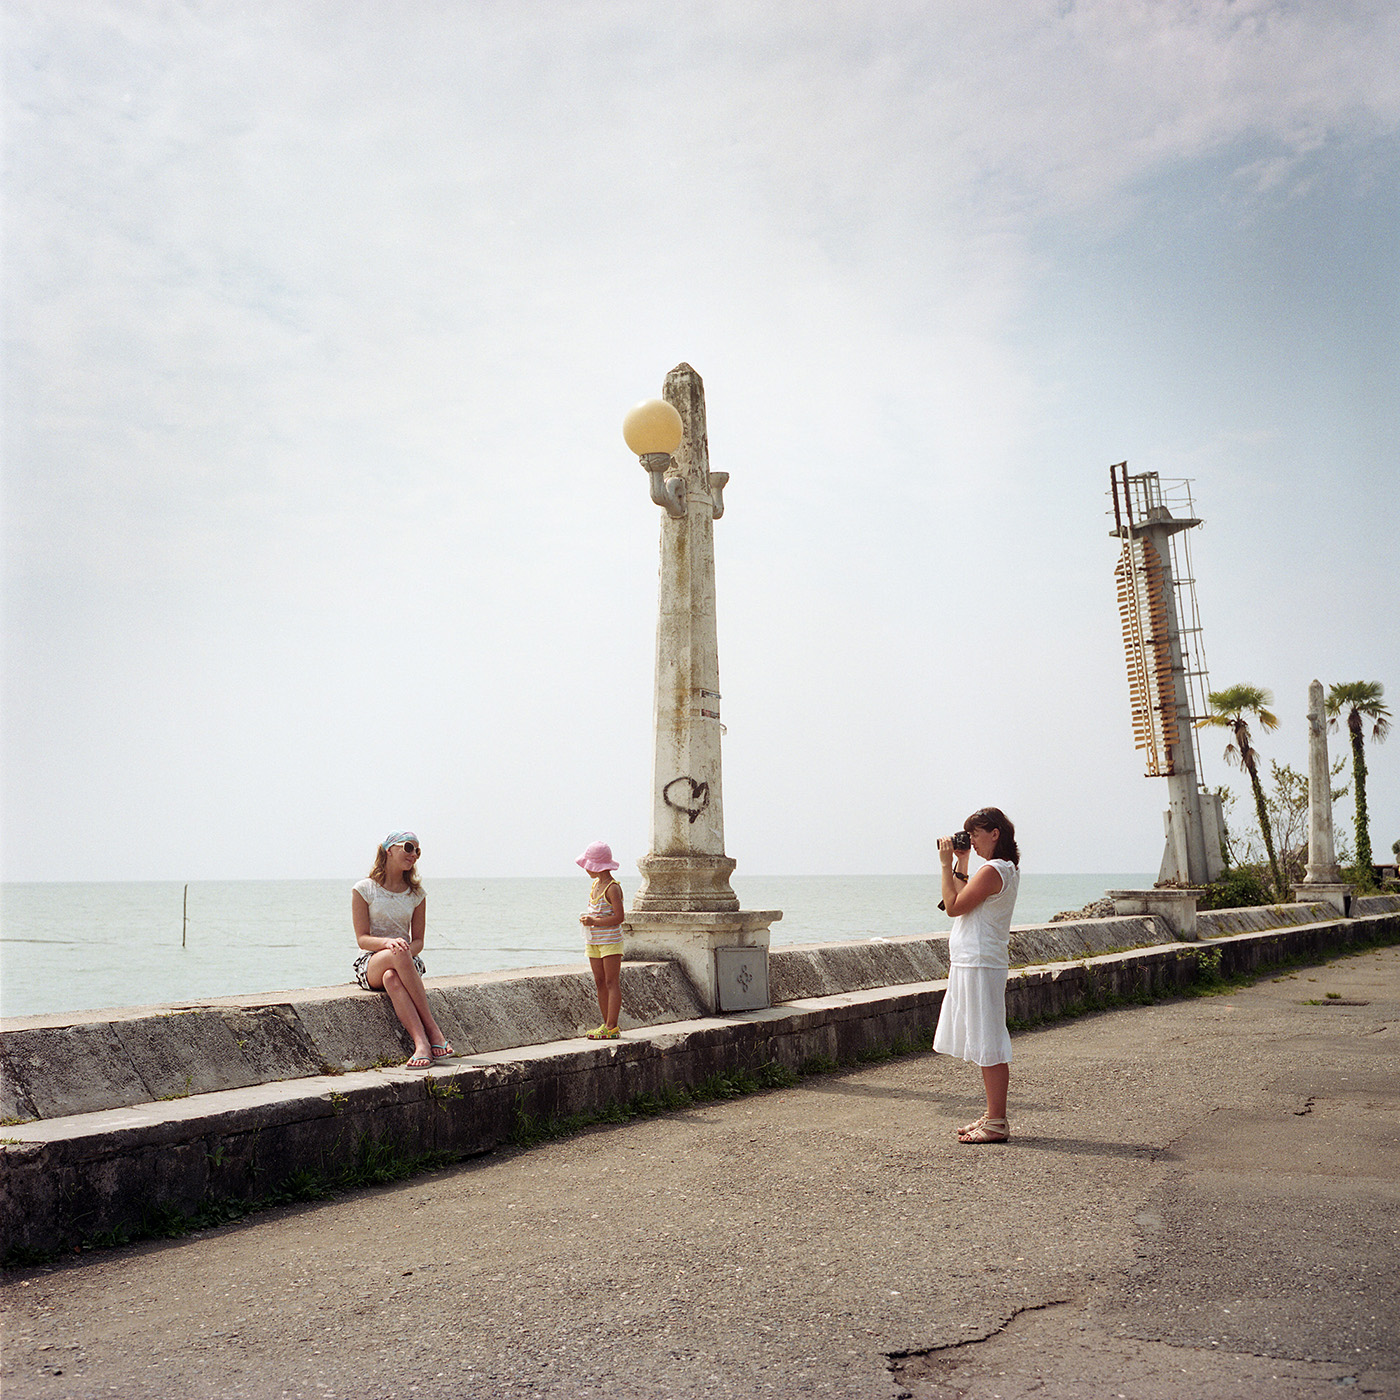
(1361, 700)
(1231, 709)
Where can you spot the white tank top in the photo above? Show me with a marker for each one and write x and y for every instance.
(981, 938)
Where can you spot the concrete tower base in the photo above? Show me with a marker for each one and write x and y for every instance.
(690, 884)
(692, 939)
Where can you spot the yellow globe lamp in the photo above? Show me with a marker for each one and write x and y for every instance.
(652, 426)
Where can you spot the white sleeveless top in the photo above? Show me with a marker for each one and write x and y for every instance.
(982, 938)
(390, 915)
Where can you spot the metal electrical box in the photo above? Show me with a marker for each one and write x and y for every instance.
(741, 975)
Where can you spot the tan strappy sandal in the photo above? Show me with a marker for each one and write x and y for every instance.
(988, 1130)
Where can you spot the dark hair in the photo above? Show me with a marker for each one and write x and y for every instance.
(994, 819)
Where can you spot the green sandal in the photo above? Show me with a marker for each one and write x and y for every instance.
(604, 1033)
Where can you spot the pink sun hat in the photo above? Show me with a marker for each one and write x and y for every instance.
(597, 858)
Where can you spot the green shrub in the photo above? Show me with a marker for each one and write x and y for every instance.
(1358, 880)
(1208, 963)
(1240, 887)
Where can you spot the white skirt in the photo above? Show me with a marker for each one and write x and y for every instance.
(972, 1022)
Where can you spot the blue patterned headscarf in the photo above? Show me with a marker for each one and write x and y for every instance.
(396, 838)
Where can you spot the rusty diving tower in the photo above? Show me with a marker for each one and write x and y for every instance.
(1167, 677)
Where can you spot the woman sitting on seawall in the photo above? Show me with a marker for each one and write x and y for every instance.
(389, 911)
(972, 1022)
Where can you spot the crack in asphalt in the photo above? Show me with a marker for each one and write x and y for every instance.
(897, 1356)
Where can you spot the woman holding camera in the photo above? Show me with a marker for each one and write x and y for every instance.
(972, 1022)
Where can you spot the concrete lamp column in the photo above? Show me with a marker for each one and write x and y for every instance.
(686, 909)
(1323, 877)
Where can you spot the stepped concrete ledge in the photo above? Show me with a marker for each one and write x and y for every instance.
(85, 1062)
(56, 1066)
(88, 1175)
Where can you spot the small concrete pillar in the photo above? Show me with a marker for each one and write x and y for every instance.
(1322, 882)
(1176, 906)
(686, 908)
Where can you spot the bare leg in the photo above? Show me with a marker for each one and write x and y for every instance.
(413, 981)
(610, 995)
(600, 983)
(996, 1079)
(992, 1127)
(407, 1013)
(393, 969)
(607, 981)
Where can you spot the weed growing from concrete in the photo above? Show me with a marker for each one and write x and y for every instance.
(1208, 962)
(899, 1047)
(741, 1081)
(1083, 1006)
(530, 1131)
(375, 1162)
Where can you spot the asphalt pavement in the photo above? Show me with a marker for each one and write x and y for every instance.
(1199, 1200)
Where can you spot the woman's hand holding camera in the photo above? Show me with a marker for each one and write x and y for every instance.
(958, 844)
(953, 853)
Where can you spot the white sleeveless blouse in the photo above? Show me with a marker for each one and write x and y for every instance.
(982, 938)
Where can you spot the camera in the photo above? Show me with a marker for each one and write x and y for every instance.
(962, 841)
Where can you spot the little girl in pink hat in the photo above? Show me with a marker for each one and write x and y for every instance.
(603, 936)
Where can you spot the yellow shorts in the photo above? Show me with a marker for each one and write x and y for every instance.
(603, 950)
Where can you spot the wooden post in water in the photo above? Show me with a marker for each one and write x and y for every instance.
(185, 923)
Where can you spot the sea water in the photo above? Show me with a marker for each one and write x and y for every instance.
(80, 947)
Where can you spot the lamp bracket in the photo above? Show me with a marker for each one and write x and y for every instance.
(666, 491)
(718, 481)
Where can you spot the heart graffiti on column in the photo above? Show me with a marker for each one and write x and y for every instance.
(699, 797)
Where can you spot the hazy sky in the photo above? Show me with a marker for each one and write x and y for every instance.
(322, 319)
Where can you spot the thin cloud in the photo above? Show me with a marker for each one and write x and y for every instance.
(322, 317)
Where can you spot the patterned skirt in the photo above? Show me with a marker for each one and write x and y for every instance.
(362, 970)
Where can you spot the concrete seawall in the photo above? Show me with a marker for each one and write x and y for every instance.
(58, 1066)
(169, 1109)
